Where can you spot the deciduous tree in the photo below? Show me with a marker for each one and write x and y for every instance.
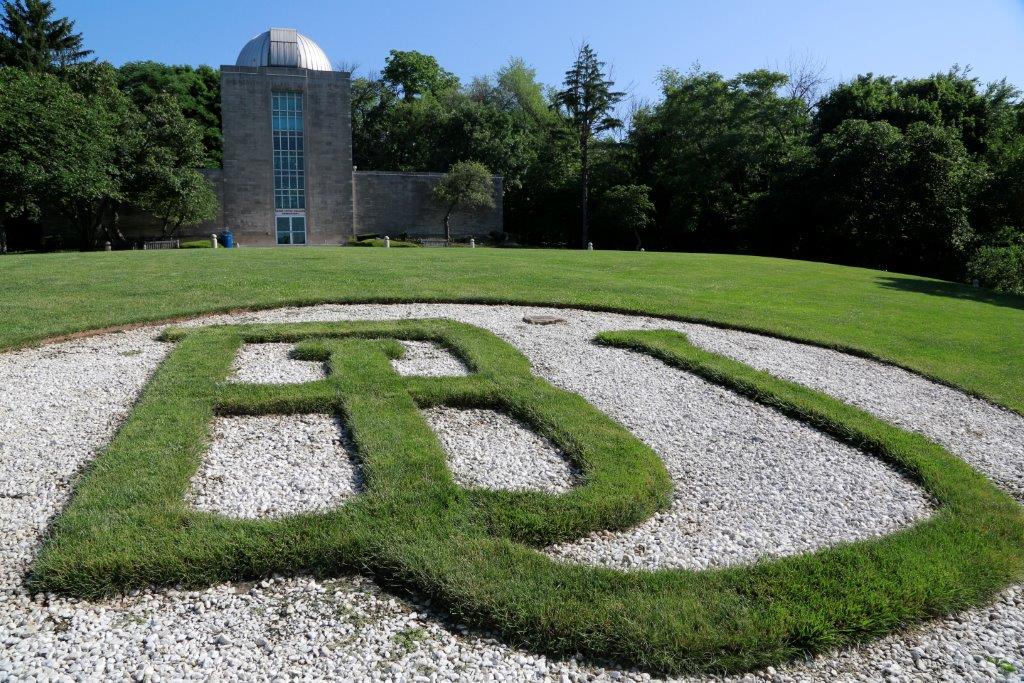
(166, 181)
(712, 148)
(54, 147)
(896, 200)
(195, 89)
(628, 209)
(467, 186)
(414, 74)
(90, 197)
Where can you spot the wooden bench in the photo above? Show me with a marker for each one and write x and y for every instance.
(433, 242)
(162, 244)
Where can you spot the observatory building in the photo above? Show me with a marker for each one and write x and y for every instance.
(288, 177)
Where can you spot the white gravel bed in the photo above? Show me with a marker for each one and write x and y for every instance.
(428, 360)
(492, 450)
(749, 482)
(985, 435)
(60, 403)
(271, 364)
(275, 465)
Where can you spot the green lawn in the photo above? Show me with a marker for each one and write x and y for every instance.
(970, 338)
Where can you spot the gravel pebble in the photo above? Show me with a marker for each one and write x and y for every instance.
(749, 482)
(489, 449)
(275, 465)
(428, 359)
(62, 402)
(272, 364)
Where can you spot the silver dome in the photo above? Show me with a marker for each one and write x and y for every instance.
(283, 47)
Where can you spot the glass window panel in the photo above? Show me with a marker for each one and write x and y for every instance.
(289, 178)
(298, 230)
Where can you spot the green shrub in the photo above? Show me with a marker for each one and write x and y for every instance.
(999, 268)
(196, 244)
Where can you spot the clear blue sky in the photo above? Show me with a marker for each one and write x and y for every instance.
(902, 37)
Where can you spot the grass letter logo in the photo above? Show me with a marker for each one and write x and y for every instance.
(128, 525)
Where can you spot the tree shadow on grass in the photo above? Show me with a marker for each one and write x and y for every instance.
(952, 290)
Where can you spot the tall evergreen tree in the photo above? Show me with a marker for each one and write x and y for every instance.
(587, 102)
(32, 39)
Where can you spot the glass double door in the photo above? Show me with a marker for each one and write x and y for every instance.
(291, 229)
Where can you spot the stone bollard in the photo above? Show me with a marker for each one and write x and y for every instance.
(213, 240)
(107, 246)
(472, 243)
(387, 242)
(975, 283)
(590, 246)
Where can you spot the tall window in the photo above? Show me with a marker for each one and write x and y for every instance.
(289, 168)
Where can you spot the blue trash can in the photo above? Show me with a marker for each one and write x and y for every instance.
(227, 239)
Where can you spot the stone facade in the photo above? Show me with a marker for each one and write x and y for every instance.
(248, 151)
(340, 203)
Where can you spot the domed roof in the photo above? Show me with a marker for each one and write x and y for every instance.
(283, 47)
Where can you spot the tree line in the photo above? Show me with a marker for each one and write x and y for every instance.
(80, 141)
(919, 175)
(922, 175)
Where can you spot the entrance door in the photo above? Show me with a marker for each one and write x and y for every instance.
(291, 229)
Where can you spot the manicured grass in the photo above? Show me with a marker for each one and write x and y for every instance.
(966, 337)
(473, 550)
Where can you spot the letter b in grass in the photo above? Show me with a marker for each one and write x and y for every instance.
(129, 526)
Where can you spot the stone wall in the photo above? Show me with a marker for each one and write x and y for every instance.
(396, 204)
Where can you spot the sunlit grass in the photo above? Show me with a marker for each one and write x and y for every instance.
(967, 337)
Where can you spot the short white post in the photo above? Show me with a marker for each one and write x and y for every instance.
(213, 240)
(472, 243)
(107, 246)
(387, 242)
(590, 246)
